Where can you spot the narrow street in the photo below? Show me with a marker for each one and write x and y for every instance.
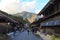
(24, 36)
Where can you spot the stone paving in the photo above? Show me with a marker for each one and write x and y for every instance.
(25, 36)
(43, 36)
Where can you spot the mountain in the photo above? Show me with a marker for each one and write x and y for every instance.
(27, 15)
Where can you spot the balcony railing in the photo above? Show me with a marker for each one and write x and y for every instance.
(51, 23)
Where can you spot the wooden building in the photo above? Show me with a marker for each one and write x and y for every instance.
(50, 23)
(5, 22)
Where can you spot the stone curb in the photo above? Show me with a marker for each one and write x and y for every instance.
(44, 37)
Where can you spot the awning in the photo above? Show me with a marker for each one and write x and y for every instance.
(51, 23)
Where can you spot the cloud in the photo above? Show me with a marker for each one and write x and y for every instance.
(15, 6)
(10, 6)
(37, 11)
(27, 6)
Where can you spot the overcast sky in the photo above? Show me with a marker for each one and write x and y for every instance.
(15, 6)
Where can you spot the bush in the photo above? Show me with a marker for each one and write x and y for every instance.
(55, 38)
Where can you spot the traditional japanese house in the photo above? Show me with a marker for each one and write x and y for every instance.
(5, 22)
(50, 23)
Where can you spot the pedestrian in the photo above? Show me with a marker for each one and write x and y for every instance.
(33, 30)
(28, 31)
(20, 29)
(14, 28)
(14, 31)
(17, 27)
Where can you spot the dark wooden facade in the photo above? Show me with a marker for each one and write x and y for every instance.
(52, 8)
(50, 23)
(5, 22)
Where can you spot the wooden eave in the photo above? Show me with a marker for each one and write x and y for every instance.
(7, 18)
(50, 3)
(41, 20)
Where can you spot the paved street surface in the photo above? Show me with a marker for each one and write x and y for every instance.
(24, 36)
